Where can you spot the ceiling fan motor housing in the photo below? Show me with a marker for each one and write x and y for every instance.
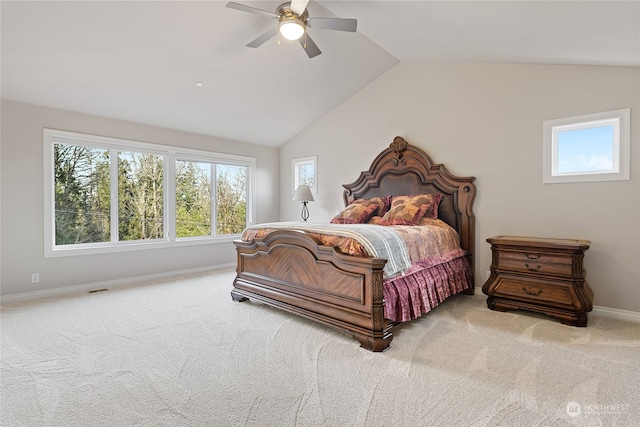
(291, 26)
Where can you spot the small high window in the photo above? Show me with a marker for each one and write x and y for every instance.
(593, 147)
(304, 171)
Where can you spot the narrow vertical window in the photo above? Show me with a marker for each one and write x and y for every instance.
(231, 199)
(193, 199)
(140, 196)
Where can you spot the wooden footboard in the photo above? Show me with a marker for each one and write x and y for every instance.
(288, 270)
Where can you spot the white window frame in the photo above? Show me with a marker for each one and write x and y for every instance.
(619, 119)
(52, 136)
(199, 157)
(296, 164)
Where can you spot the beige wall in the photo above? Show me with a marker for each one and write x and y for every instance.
(22, 202)
(486, 120)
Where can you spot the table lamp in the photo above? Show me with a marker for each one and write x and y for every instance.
(303, 194)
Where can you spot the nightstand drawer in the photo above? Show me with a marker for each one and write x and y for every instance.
(536, 262)
(536, 292)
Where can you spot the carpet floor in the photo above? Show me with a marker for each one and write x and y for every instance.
(180, 352)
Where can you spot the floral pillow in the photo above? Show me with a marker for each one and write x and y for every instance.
(403, 213)
(383, 204)
(355, 213)
(431, 200)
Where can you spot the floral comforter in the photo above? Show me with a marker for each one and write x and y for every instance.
(406, 248)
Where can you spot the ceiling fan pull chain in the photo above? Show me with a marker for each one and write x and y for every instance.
(305, 38)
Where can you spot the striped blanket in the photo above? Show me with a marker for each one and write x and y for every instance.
(380, 242)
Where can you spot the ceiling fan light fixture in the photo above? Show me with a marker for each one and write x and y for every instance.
(291, 28)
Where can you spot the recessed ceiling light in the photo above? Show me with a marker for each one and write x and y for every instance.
(199, 84)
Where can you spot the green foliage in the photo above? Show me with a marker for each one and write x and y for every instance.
(193, 199)
(140, 196)
(231, 201)
(81, 183)
(83, 196)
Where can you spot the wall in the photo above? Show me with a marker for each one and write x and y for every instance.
(486, 120)
(22, 202)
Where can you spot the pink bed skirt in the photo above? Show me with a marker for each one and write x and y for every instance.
(409, 297)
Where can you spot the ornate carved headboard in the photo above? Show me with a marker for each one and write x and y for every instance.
(404, 169)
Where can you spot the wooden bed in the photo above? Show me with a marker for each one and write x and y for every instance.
(288, 270)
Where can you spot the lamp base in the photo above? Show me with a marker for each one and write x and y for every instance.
(305, 212)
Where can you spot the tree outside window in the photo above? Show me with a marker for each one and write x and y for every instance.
(102, 195)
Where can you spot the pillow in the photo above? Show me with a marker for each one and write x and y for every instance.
(375, 220)
(383, 204)
(355, 213)
(403, 213)
(431, 200)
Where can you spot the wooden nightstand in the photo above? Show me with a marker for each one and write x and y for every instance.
(540, 275)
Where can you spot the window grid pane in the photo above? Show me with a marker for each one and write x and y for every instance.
(140, 196)
(193, 199)
(585, 150)
(82, 194)
(231, 199)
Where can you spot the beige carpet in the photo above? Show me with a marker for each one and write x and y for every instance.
(182, 353)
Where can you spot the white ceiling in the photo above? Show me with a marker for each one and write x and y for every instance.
(139, 61)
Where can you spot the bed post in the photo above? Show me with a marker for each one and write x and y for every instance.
(380, 336)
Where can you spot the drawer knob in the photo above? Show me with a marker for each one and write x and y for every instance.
(536, 256)
(532, 268)
(536, 292)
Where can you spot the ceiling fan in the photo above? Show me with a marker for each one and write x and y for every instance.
(293, 21)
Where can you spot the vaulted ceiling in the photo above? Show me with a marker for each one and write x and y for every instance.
(140, 61)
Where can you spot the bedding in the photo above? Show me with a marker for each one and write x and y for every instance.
(426, 263)
(377, 241)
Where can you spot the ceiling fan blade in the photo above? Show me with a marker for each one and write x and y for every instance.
(298, 6)
(242, 7)
(309, 46)
(263, 38)
(339, 24)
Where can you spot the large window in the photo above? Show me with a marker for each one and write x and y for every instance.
(593, 147)
(105, 194)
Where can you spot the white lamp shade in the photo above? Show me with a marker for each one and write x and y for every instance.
(303, 194)
(291, 29)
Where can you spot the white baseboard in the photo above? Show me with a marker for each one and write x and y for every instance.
(613, 313)
(108, 284)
